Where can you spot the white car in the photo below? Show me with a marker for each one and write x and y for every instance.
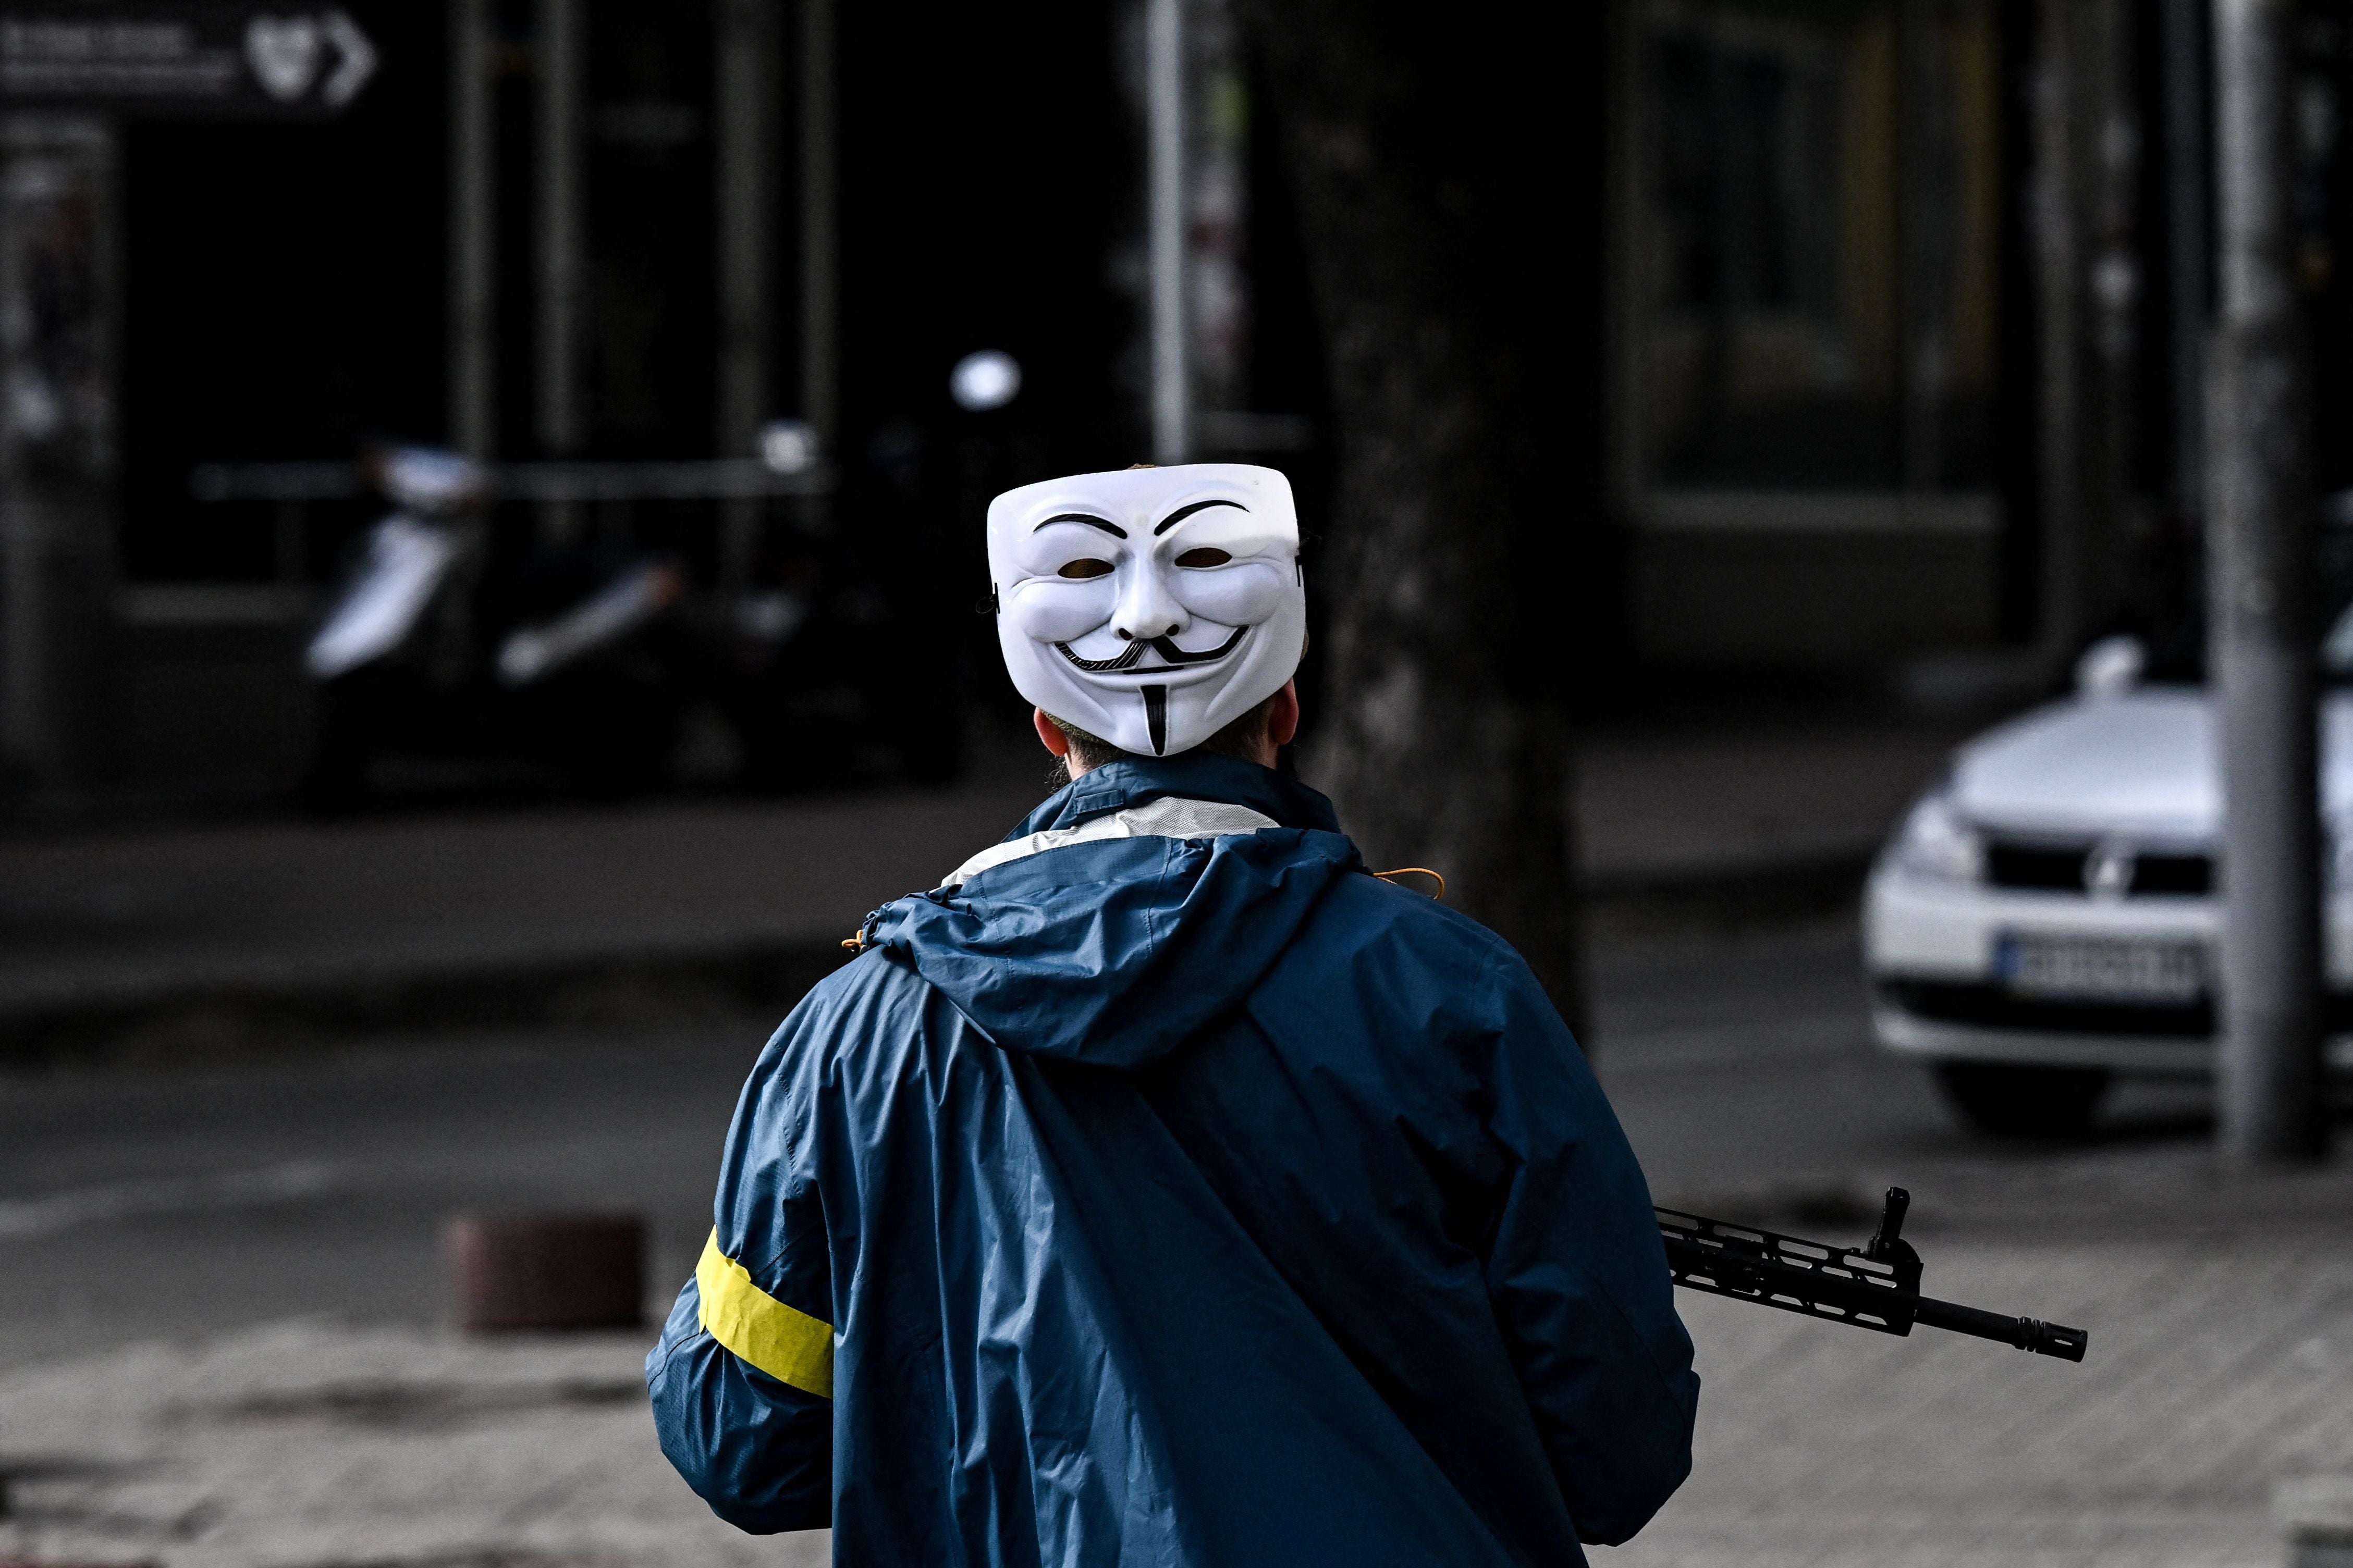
(2043, 919)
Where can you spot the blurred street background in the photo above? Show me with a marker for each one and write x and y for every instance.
(490, 534)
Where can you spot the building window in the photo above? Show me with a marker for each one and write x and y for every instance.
(1812, 245)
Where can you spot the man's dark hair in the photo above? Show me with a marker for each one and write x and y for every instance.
(1241, 737)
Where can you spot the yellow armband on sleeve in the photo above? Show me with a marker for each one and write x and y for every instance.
(782, 1342)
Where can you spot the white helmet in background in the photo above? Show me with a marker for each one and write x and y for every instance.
(1150, 607)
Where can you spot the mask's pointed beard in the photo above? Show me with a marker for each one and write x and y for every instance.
(1155, 717)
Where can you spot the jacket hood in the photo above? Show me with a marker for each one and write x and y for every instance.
(1115, 952)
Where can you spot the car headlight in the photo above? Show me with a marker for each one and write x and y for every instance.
(1937, 845)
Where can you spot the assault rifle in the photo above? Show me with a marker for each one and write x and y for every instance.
(1875, 1285)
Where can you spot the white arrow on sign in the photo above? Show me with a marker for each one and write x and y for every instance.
(358, 63)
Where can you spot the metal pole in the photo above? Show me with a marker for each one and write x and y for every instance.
(2086, 151)
(2185, 218)
(2270, 1077)
(561, 245)
(1926, 199)
(1163, 87)
(2108, 160)
(473, 239)
(820, 301)
(2058, 300)
(1630, 286)
(745, 39)
(59, 455)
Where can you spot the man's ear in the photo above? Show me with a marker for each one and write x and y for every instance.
(1050, 733)
(1282, 718)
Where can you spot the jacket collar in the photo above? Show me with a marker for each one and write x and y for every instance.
(1115, 786)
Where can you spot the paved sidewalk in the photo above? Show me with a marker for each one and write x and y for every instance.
(305, 1444)
(360, 915)
(475, 915)
(2216, 1372)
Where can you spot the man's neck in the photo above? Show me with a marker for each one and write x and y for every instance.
(1265, 754)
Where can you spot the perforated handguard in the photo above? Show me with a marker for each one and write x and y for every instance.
(1875, 1285)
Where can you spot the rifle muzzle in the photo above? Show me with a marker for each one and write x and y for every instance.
(2030, 1334)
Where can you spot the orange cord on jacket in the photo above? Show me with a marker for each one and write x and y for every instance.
(1417, 871)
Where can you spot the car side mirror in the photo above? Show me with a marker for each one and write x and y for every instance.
(2110, 667)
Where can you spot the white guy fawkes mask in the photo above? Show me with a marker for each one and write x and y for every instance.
(1150, 607)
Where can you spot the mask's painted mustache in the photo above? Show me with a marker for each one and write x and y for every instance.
(1124, 661)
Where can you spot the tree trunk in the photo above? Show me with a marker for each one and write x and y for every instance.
(1425, 150)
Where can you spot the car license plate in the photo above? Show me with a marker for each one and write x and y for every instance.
(2093, 969)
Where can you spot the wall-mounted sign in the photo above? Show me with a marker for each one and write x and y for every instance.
(241, 61)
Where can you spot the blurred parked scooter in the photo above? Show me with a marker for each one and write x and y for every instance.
(428, 652)
(407, 560)
(460, 639)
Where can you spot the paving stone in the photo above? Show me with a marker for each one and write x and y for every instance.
(2215, 1373)
(315, 1446)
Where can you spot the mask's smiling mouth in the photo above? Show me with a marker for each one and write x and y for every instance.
(1127, 661)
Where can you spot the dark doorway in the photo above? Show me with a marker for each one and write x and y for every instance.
(282, 295)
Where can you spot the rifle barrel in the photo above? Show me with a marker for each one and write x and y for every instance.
(2030, 1334)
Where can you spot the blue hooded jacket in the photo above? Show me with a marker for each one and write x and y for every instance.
(1199, 1201)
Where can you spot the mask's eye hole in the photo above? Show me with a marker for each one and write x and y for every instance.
(1086, 567)
(1207, 555)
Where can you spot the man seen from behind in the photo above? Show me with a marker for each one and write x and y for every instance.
(1163, 1187)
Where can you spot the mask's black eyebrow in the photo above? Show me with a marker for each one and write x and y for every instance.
(1182, 512)
(1111, 528)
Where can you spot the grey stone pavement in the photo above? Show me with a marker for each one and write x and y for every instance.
(317, 1443)
(2221, 1308)
(2217, 1372)
(290, 1424)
